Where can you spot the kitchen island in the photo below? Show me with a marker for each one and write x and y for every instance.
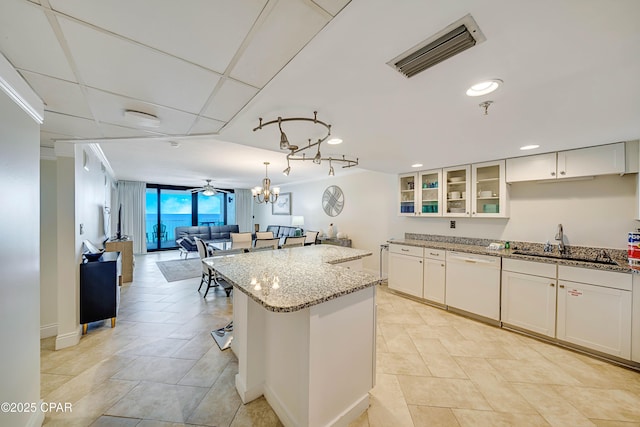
(304, 331)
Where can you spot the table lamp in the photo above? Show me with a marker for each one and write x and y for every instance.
(297, 221)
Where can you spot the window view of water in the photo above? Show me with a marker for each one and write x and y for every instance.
(175, 209)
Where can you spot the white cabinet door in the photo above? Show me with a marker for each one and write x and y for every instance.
(489, 190)
(529, 302)
(601, 160)
(434, 280)
(405, 274)
(430, 193)
(456, 191)
(635, 320)
(407, 194)
(595, 317)
(531, 168)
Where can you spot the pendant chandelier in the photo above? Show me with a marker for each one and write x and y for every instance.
(300, 153)
(265, 194)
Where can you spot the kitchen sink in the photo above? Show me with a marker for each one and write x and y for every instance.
(566, 258)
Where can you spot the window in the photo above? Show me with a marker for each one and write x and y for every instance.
(169, 207)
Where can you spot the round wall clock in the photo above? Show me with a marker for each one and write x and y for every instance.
(333, 200)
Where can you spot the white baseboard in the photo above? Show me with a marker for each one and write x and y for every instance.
(351, 413)
(50, 330)
(286, 418)
(69, 339)
(37, 417)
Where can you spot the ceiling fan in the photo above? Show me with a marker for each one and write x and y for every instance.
(207, 189)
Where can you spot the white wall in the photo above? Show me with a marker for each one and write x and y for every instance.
(19, 262)
(48, 249)
(369, 209)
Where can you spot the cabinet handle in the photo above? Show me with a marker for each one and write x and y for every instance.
(562, 173)
(431, 253)
(420, 261)
(551, 284)
(553, 174)
(441, 265)
(404, 250)
(561, 286)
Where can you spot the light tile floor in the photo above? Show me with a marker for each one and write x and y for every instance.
(160, 367)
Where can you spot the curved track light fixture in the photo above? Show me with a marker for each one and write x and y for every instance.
(299, 153)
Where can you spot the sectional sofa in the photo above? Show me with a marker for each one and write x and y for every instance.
(208, 233)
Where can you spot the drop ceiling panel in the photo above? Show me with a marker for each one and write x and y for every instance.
(273, 44)
(114, 131)
(204, 126)
(216, 28)
(332, 6)
(28, 42)
(110, 108)
(69, 125)
(229, 99)
(110, 63)
(59, 96)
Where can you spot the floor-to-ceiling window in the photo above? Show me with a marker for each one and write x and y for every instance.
(169, 207)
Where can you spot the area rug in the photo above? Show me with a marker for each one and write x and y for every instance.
(180, 269)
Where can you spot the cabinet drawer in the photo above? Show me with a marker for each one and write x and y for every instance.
(406, 250)
(529, 267)
(610, 279)
(434, 253)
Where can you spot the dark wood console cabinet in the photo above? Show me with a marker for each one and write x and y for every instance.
(99, 289)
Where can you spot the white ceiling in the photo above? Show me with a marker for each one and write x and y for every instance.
(210, 68)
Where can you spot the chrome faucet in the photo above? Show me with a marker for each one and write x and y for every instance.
(560, 239)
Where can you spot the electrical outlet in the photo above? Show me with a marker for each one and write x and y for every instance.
(452, 224)
(81, 228)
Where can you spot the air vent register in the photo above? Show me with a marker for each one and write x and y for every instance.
(457, 37)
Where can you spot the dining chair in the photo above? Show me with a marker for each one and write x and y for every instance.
(241, 240)
(208, 273)
(292, 242)
(310, 237)
(264, 235)
(265, 243)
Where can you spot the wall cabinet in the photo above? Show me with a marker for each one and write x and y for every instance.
(477, 190)
(421, 193)
(457, 191)
(406, 269)
(529, 296)
(600, 160)
(489, 197)
(434, 275)
(594, 309)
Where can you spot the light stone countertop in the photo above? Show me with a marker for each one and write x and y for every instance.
(286, 280)
(621, 262)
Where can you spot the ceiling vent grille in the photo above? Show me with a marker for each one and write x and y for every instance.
(457, 37)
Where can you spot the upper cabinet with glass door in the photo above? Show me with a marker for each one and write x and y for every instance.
(430, 193)
(408, 194)
(456, 190)
(489, 190)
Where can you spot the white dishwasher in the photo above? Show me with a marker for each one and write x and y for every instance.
(473, 284)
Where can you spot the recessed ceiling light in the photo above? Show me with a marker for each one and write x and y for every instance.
(416, 165)
(484, 87)
(334, 141)
(529, 147)
(141, 119)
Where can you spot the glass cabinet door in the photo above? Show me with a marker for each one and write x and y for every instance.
(456, 190)
(489, 188)
(430, 193)
(407, 193)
